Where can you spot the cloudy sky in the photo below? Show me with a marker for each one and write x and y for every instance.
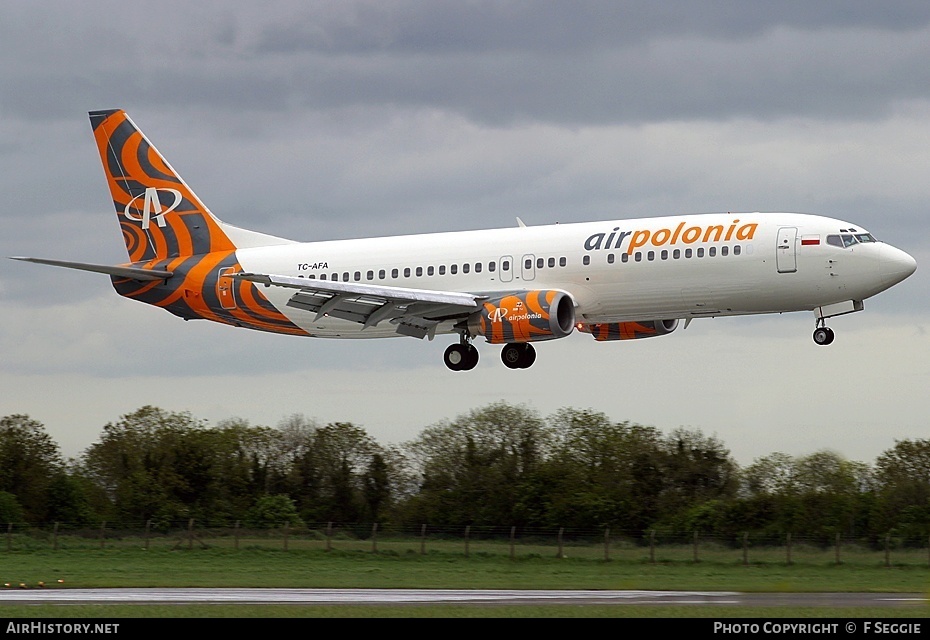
(325, 120)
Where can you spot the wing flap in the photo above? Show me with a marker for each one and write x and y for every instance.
(414, 312)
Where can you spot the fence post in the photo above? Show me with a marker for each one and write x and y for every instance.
(374, 538)
(329, 536)
(236, 534)
(103, 533)
(467, 531)
(55, 538)
(694, 547)
(423, 540)
(888, 549)
(148, 528)
(788, 539)
(513, 531)
(190, 534)
(607, 544)
(745, 548)
(9, 537)
(287, 530)
(652, 546)
(561, 555)
(837, 547)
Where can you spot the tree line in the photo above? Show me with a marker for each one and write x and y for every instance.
(499, 465)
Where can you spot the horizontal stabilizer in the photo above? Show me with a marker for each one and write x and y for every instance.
(126, 272)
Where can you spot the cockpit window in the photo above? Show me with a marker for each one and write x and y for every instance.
(848, 239)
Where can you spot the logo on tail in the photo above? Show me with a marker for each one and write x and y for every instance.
(152, 204)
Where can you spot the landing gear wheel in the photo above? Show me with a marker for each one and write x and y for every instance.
(823, 335)
(460, 357)
(518, 356)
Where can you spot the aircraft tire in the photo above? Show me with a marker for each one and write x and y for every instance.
(823, 335)
(511, 355)
(528, 357)
(471, 358)
(518, 355)
(455, 357)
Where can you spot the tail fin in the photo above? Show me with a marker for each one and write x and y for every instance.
(159, 214)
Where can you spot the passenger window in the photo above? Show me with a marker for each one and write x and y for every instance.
(688, 253)
(491, 266)
(624, 257)
(712, 252)
(371, 275)
(528, 264)
(586, 260)
(429, 271)
(394, 273)
(724, 251)
(664, 254)
(406, 272)
(736, 250)
(651, 256)
(551, 262)
(505, 265)
(322, 276)
(454, 269)
(442, 269)
(540, 263)
(638, 256)
(477, 267)
(419, 271)
(465, 267)
(345, 276)
(561, 262)
(700, 252)
(610, 258)
(358, 276)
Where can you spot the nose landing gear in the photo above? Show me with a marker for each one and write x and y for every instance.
(823, 335)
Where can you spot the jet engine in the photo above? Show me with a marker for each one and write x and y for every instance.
(629, 330)
(528, 316)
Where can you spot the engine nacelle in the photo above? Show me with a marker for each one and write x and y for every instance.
(629, 330)
(529, 316)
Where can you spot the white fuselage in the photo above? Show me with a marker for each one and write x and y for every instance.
(675, 267)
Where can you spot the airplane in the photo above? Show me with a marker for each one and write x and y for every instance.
(622, 279)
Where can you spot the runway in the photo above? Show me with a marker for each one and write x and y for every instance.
(454, 596)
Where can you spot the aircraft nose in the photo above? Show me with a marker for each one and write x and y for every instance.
(896, 265)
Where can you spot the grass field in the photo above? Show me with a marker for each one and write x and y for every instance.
(442, 564)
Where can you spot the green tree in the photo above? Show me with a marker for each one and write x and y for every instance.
(902, 482)
(472, 470)
(29, 461)
(603, 473)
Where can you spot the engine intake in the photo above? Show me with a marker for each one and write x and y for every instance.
(529, 316)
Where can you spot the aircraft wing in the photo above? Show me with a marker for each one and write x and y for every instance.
(415, 312)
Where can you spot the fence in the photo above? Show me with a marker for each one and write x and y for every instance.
(652, 546)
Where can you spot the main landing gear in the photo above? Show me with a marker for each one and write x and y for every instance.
(464, 356)
(823, 335)
(519, 355)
